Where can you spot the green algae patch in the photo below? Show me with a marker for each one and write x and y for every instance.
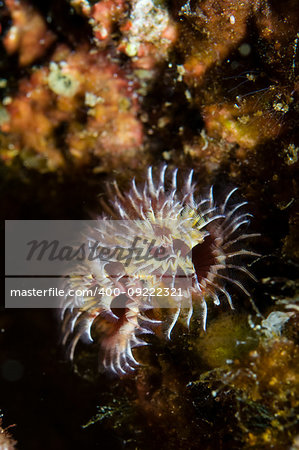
(226, 339)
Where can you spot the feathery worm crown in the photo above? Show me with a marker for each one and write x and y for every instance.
(178, 250)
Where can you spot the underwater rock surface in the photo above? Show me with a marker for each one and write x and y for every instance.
(93, 91)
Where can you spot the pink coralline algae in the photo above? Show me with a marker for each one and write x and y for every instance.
(28, 35)
(148, 31)
(86, 100)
